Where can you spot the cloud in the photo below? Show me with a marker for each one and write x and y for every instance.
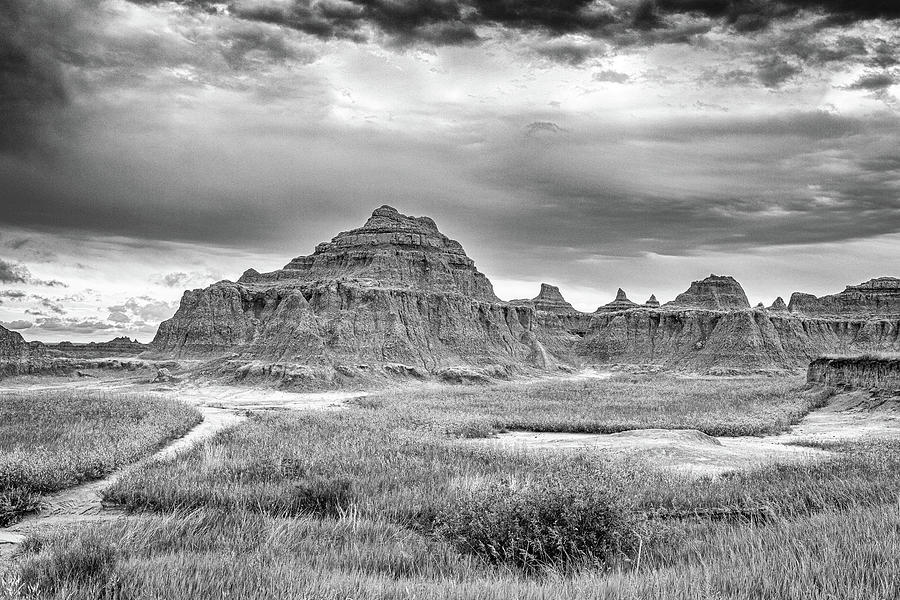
(74, 325)
(873, 81)
(774, 71)
(183, 280)
(610, 76)
(52, 305)
(118, 317)
(14, 294)
(17, 324)
(11, 273)
(568, 51)
(145, 308)
(18, 273)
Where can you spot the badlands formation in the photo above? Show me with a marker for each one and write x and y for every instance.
(397, 297)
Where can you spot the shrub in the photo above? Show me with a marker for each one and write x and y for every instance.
(559, 522)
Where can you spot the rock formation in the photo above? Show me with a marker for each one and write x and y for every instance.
(651, 302)
(120, 346)
(395, 290)
(18, 356)
(778, 304)
(873, 372)
(713, 293)
(620, 303)
(879, 296)
(398, 298)
(550, 299)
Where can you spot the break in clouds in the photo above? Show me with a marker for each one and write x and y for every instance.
(596, 144)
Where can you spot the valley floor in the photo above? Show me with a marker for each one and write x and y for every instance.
(437, 492)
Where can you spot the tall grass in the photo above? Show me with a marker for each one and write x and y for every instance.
(206, 555)
(369, 465)
(382, 502)
(715, 407)
(53, 440)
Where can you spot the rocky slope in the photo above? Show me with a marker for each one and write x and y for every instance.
(394, 291)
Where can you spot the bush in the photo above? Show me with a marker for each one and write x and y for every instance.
(559, 522)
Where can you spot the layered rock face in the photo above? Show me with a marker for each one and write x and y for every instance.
(879, 296)
(710, 328)
(390, 250)
(879, 373)
(120, 346)
(18, 356)
(393, 291)
(713, 293)
(398, 297)
(620, 303)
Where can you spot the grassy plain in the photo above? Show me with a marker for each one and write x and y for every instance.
(728, 407)
(53, 440)
(384, 501)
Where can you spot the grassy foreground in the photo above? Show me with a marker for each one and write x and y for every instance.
(53, 440)
(211, 554)
(383, 501)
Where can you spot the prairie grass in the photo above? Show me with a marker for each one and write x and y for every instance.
(53, 440)
(732, 407)
(368, 464)
(383, 501)
(207, 555)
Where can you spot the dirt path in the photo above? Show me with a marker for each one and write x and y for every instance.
(221, 407)
(849, 416)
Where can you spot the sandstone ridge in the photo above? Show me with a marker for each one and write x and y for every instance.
(880, 296)
(716, 292)
(397, 296)
(394, 291)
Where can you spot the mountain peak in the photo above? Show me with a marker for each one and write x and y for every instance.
(390, 250)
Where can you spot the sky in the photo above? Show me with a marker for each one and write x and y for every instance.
(151, 147)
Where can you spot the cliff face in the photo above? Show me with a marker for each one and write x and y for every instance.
(862, 372)
(18, 356)
(393, 291)
(120, 346)
(732, 338)
(729, 341)
(879, 296)
(398, 293)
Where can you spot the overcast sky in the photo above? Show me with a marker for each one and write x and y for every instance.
(149, 147)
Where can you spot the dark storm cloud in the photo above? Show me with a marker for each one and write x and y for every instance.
(873, 81)
(567, 52)
(774, 71)
(12, 273)
(842, 186)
